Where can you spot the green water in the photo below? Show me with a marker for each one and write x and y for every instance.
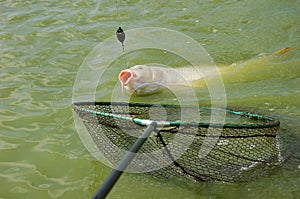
(43, 43)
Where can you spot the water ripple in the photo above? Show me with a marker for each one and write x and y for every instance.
(43, 43)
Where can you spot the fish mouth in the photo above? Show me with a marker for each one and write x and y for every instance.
(126, 76)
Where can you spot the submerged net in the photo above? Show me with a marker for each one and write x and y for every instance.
(244, 148)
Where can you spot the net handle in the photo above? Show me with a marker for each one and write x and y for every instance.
(118, 171)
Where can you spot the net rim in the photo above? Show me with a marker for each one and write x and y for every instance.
(269, 122)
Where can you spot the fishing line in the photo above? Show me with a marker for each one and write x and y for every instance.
(118, 15)
(120, 33)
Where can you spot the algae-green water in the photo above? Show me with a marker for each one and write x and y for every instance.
(44, 43)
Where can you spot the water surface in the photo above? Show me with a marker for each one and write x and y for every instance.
(43, 44)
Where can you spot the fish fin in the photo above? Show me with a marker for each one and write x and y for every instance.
(281, 51)
(147, 88)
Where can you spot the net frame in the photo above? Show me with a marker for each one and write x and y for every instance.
(270, 122)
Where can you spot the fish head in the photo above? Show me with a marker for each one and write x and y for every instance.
(141, 80)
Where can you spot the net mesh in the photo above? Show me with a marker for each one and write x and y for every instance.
(244, 148)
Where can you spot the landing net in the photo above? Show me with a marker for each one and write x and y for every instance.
(245, 147)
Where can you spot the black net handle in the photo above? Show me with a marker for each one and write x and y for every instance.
(118, 171)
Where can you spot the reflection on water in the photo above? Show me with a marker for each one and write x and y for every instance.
(43, 44)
